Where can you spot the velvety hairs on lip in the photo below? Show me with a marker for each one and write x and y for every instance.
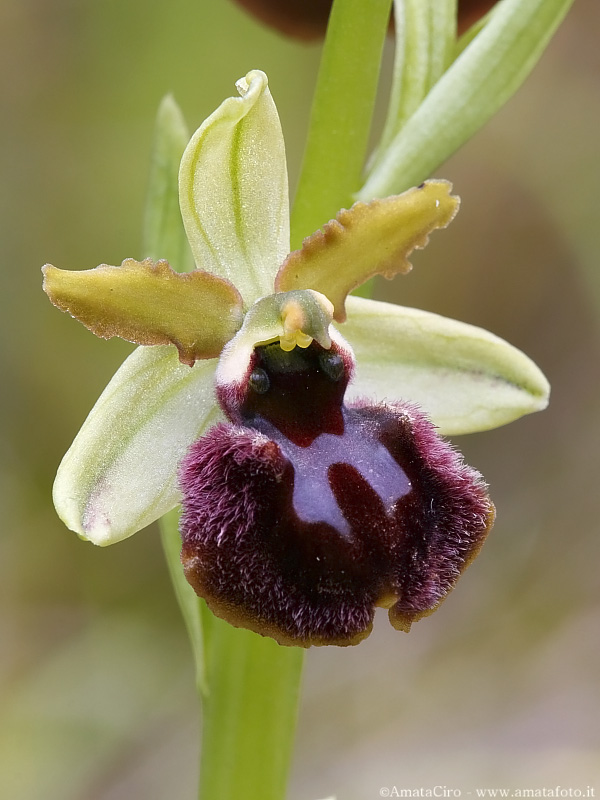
(305, 514)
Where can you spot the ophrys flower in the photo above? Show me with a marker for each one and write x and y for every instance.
(327, 492)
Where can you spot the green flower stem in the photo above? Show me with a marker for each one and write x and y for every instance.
(249, 714)
(193, 610)
(341, 113)
(249, 687)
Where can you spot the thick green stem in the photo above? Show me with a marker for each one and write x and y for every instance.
(249, 687)
(341, 113)
(249, 715)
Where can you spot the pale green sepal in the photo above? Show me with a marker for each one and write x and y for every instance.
(485, 75)
(233, 190)
(164, 236)
(120, 473)
(465, 378)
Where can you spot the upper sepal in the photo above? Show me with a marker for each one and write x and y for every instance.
(146, 302)
(233, 190)
(366, 240)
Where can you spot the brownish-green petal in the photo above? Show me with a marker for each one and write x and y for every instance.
(148, 303)
(366, 240)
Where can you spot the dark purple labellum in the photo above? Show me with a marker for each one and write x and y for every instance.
(305, 514)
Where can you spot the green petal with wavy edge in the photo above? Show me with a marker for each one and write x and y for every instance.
(233, 190)
(366, 240)
(465, 378)
(146, 302)
(120, 473)
(484, 76)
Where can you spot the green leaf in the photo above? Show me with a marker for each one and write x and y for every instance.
(425, 35)
(146, 302)
(442, 38)
(369, 239)
(486, 74)
(120, 473)
(164, 236)
(467, 37)
(463, 377)
(233, 190)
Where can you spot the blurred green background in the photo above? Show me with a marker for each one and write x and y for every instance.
(501, 687)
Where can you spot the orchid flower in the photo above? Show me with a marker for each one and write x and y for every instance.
(313, 481)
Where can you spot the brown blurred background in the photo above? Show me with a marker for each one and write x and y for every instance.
(500, 688)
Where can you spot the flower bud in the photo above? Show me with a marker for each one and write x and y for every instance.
(307, 19)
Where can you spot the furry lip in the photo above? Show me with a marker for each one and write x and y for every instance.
(303, 514)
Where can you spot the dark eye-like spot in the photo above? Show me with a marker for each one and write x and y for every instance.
(332, 365)
(259, 381)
